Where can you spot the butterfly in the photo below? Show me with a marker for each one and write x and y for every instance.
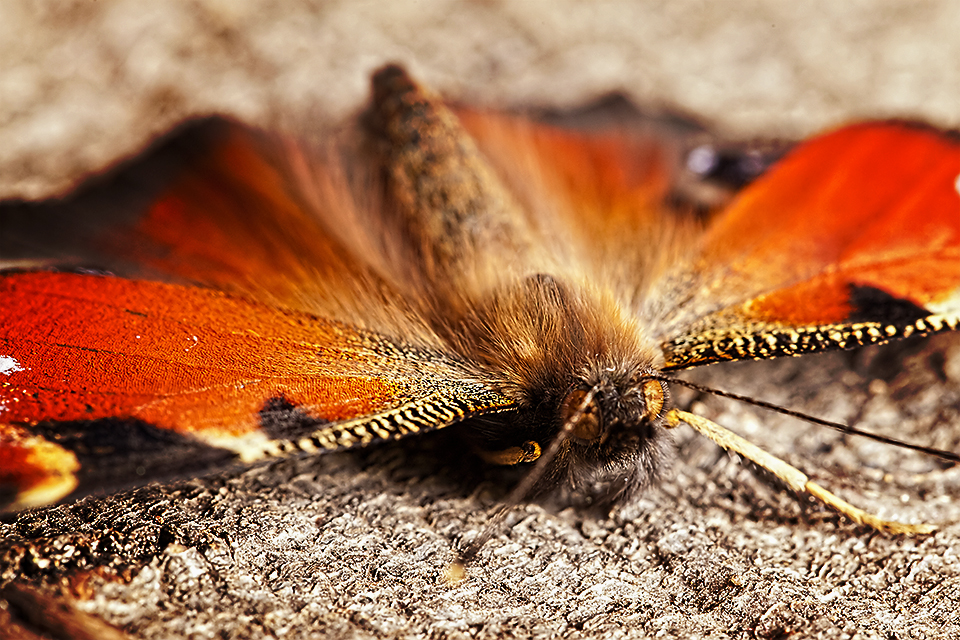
(426, 265)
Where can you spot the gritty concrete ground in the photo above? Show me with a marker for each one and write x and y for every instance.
(355, 545)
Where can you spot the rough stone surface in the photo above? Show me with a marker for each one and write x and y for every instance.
(355, 545)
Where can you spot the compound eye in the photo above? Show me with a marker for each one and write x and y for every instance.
(653, 397)
(587, 422)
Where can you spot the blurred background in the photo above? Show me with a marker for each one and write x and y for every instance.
(83, 82)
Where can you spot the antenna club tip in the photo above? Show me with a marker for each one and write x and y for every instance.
(897, 528)
(455, 572)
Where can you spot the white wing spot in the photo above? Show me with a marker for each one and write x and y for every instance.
(702, 160)
(9, 365)
(196, 341)
(956, 185)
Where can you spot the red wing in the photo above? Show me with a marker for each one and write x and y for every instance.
(222, 205)
(607, 177)
(199, 364)
(239, 217)
(229, 218)
(857, 227)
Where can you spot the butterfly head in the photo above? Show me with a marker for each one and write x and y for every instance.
(612, 442)
(582, 386)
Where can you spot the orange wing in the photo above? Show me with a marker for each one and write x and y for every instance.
(853, 238)
(599, 196)
(220, 204)
(209, 369)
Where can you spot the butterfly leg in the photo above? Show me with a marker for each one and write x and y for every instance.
(795, 479)
(527, 452)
